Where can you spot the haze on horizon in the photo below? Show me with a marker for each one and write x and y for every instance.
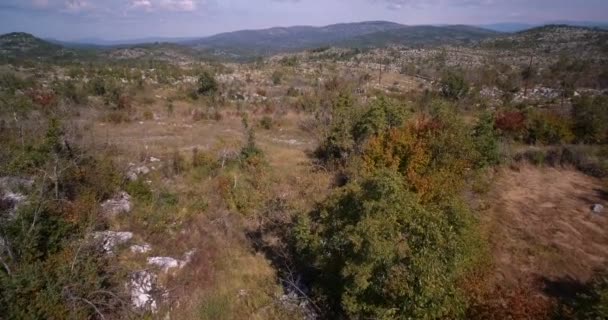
(131, 19)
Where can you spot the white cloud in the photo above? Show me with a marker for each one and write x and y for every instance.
(179, 5)
(141, 4)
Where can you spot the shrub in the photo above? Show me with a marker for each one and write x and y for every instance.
(380, 254)
(266, 123)
(49, 269)
(338, 143)
(594, 303)
(511, 122)
(381, 115)
(454, 86)
(590, 117)
(486, 141)
(207, 85)
(277, 77)
(433, 152)
(548, 128)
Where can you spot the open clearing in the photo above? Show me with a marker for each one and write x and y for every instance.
(542, 228)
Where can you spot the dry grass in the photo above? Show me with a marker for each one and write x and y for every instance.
(541, 225)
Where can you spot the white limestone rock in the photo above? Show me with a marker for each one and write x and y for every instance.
(119, 204)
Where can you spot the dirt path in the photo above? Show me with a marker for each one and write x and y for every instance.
(541, 225)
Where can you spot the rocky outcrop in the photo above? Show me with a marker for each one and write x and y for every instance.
(137, 171)
(119, 204)
(141, 248)
(168, 263)
(142, 285)
(109, 240)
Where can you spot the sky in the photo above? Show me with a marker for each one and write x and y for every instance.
(136, 19)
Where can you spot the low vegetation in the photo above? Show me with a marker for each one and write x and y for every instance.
(332, 183)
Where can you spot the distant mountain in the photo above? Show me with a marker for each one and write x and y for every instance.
(508, 26)
(361, 34)
(275, 40)
(112, 43)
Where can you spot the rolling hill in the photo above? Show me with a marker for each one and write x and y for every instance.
(361, 34)
(250, 43)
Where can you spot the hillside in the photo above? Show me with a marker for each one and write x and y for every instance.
(421, 36)
(276, 40)
(26, 45)
(554, 39)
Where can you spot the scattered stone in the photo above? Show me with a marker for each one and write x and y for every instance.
(597, 208)
(121, 203)
(111, 239)
(165, 263)
(135, 172)
(152, 159)
(141, 248)
(142, 285)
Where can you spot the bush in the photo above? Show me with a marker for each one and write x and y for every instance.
(338, 143)
(590, 117)
(380, 254)
(511, 122)
(454, 86)
(277, 77)
(548, 128)
(486, 141)
(207, 85)
(433, 152)
(266, 123)
(594, 303)
(50, 269)
(381, 115)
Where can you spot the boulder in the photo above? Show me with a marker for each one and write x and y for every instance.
(121, 203)
(109, 240)
(141, 248)
(135, 172)
(597, 208)
(166, 263)
(142, 285)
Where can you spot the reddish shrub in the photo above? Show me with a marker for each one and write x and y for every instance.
(510, 121)
(520, 303)
(43, 98)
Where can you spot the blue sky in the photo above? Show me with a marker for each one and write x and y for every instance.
(128, 19)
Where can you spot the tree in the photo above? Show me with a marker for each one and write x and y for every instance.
(454, 86)
(380, 254)
(207, 85)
